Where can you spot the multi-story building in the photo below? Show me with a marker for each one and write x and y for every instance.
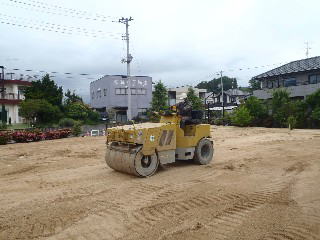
(111, 92)
(300, 78)
(11, 97)
(178, 94)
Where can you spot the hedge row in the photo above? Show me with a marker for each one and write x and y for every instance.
(32, 136)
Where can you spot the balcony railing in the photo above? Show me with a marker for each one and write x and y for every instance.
(12, 96)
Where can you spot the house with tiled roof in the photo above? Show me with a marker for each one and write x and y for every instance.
(11, 95)
(232, 98)
(300, 78)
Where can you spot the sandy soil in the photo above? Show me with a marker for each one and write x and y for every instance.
(262, 184)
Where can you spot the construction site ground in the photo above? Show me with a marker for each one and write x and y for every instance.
(262, 184)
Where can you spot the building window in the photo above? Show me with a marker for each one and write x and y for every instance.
(92, 95)
(313, 79)
(105, 92)
(142, 112)
(141, 91)
(121, 91)
(270, 84)
(290, 82)
(133, 91)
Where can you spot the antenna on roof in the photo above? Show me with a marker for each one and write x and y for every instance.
(307, 49)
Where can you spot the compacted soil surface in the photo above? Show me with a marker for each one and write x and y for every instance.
(262, 184)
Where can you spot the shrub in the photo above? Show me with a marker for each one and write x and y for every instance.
(218, 121)
(64, 133)
(3, 126)
(27, 136)
(56, 134)
(241, 117)
(76, 130)
(93, 116)
(257, 110)
(66, 122)
(36, 135)
(292, 122)
(77, 111)
(280, 104)
(4, 138)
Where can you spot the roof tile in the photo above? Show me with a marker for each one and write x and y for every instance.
(292, 67)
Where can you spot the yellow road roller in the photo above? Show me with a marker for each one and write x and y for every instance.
(139, 149)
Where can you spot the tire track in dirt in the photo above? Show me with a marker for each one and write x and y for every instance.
(149, 216)
(299, 230)
(225, 222)
(102, 223)
(49, 218)
(230, 218)
(142, 195)
(293, 232)
(147, 194)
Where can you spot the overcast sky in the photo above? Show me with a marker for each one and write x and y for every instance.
(178, 42)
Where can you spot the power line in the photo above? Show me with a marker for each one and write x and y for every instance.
(66, 74)
(50, 27)
(211, 76)
(56, 10)
(56, 26)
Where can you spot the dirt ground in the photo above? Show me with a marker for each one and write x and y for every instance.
(262, 184)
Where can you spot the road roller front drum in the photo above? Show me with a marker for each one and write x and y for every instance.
(126, 159)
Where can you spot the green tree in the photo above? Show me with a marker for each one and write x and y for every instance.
(215, 84)
(77, 111)
(40, 111)
(81, 112)
(93, 116)
(281, 107)
(257, 110)
(45, 89)
(195, 101)
(76, 129)
(159, 98)
(313, 100)
(312, 110)
(241, 117)
(254, 84)
(72, 97)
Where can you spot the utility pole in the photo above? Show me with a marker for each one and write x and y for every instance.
(128, 61)
(307, 49)
(208, 106)
(222, 93)
(3, 108)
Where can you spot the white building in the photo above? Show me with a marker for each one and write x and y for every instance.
(10, 99)
(178, 94)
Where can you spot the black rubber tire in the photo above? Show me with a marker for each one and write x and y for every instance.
(204, 152)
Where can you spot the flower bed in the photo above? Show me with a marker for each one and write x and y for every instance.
(4, 137)
(33, 136)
